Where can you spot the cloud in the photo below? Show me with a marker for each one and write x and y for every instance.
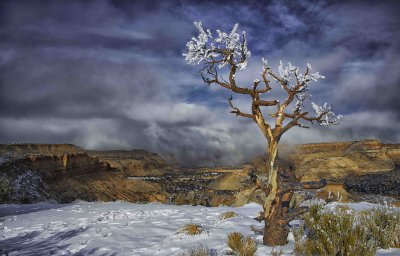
(109, 74)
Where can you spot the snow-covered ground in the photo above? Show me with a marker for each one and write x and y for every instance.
(121, 228)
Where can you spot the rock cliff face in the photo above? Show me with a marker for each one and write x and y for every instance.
(134, 162)
(354, 163)
(393, 151)
(32, 173)
(63, 172)
(335, 161)
(39, 149)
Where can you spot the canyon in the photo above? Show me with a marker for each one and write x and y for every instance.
(63, 172)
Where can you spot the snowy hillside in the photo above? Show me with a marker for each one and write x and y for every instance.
(120, 228)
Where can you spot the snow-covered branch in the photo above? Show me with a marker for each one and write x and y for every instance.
(225, 49)
(325, 116)
(229, 50)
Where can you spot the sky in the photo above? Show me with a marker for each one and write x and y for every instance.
(111, 75)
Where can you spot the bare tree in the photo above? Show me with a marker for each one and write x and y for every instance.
(229, 52)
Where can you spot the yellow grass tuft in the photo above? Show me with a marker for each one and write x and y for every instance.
(242, 245)
(227, 215)
(191, 229)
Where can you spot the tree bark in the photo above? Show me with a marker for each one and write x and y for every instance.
(272, 177)
(276, 205)
(275, 232)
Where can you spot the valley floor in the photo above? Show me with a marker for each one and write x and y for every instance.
(121, 228)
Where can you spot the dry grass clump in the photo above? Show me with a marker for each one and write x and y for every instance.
(227, 215)
(242, 245)
(345, 232)
(198, 251)
(191, 229)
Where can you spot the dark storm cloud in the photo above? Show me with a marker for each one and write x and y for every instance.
(109, 74)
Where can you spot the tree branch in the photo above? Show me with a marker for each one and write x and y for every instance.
(232, 82)
(266, 103)
(237, 111)
(292, 186)
(266, 82)
(294, 214)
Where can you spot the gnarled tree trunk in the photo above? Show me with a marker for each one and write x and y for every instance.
(276, 205)
(282, 183)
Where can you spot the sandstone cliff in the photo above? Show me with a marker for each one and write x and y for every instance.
(64, 173)
(39, 149)
(68, 177)
(137, 162)
(335, 161)
(393, 151)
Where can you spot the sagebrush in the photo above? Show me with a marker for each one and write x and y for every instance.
(343, 231)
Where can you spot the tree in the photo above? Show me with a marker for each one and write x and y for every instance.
(229, 52)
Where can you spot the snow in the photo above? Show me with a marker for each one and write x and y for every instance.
(355, 206)
(121, 228)
(205, 48)
(326, 114)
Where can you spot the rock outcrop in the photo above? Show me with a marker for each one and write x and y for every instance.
(39, 149)
(63, 172)
(31, 177)
(335, 161)
(136, 162)
(393, 151)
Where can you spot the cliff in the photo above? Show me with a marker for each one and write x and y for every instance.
(39, 149)
(393, 151)
(63, 172)
(67, 177)
(136, 162)
(335, 161)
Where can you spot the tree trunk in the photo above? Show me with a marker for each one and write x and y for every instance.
(275, 233)
(276, 206)
(279, 188)
(272, 177)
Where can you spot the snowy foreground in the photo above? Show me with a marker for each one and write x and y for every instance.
(121, 228)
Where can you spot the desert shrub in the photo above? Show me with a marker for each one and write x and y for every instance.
(198, 251)
(242, 245)
(191, 229)
(227, 215)
(383, 225)
(337, 232)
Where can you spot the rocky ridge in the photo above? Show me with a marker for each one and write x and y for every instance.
(335, 161)
(64, 172)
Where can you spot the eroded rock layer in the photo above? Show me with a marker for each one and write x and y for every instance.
(63, 172)
(335, 161)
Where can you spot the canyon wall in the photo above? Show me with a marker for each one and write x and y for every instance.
(393, 151)
(64, 172)
(335, 161)
(137, 162)
(39, 149)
